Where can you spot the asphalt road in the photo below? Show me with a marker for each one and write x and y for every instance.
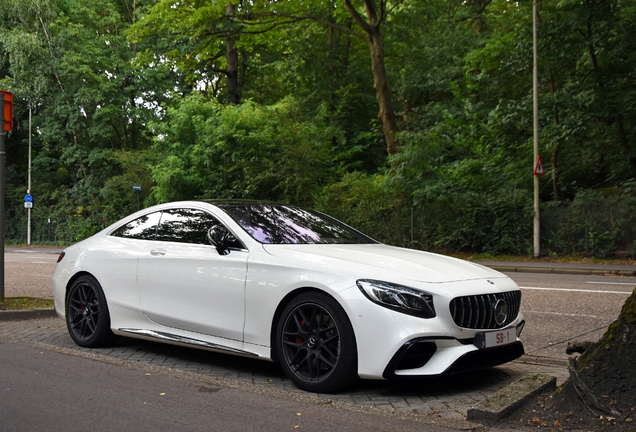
(28, 271)
(563, 308)
(43, 390)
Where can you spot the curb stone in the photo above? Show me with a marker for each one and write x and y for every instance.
(26, 314)
(533, 270)
(505, 401)
(571, 271)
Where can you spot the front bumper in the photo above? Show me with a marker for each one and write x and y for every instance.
(413, 358)
(392, 344)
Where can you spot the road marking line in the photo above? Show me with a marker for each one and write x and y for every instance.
(41, 262)
(613, 283)
(576, 290)
(561, 314)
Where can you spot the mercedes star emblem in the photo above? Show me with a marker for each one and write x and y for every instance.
(501, 311)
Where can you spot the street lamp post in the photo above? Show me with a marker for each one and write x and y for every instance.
(535, 97)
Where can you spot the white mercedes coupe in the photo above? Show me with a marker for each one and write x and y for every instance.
(283, 283)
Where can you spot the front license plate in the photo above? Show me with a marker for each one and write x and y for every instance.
(495, 338)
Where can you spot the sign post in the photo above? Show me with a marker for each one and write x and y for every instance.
(29, 184)
(137, 189)
(6, 116)
(538, 167)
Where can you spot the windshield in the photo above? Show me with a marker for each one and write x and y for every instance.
(281, 224)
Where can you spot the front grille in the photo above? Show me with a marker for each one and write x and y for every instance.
(478, 311)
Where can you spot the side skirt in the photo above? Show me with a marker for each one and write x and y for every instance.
(182, 340)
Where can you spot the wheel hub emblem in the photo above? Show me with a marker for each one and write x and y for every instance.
(501, 311)
(85, 311)
(312, 342)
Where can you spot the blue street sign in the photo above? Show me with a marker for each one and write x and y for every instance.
(28, 198)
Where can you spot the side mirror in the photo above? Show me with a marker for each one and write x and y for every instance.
(218, 236)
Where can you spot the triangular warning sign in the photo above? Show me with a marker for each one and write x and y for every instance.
(538, 167)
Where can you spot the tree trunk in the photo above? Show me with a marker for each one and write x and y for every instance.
(371, 27)
(347, 45)
(232, 71)
(477, 9)
(556, 148)
(382, 92)
(603, 379)
(242, 68)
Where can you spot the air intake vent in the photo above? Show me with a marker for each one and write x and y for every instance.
(487, 311)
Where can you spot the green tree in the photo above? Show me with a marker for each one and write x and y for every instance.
(71, 62)
(192, 36)
(273, 152)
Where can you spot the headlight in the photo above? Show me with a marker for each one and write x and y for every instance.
(399, 298)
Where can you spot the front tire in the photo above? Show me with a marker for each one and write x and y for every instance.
(87, 317)
(316, 344)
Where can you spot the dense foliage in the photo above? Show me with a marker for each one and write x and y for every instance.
(280, 101)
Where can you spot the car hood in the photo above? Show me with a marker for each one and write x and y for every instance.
(382, 261)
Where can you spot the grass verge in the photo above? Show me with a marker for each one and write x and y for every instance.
(15, 303)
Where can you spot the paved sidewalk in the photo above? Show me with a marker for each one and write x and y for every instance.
(445, 399)
(562, 268)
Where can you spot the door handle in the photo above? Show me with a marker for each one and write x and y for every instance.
(158, 252)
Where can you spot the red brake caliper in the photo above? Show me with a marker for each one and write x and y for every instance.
(304, 326)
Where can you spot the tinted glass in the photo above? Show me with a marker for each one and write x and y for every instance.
(278, 224)
(189, 226)
(143, 228)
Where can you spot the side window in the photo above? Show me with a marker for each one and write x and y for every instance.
(189, 226)
(143, 228)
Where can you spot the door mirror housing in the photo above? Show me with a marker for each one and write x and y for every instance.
(218, 237)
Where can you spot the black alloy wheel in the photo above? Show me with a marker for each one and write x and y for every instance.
(316, 344)
(87, 316)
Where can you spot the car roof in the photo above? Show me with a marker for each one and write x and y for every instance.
(243, 203)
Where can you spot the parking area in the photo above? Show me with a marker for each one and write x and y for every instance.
(444, 398)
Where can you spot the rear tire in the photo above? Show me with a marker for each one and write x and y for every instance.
(316, 344)
(87, 317)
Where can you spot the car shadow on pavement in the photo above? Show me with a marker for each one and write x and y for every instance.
(270, 373)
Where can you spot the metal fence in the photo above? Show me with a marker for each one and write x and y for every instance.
(52, 231)
(602, 228)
